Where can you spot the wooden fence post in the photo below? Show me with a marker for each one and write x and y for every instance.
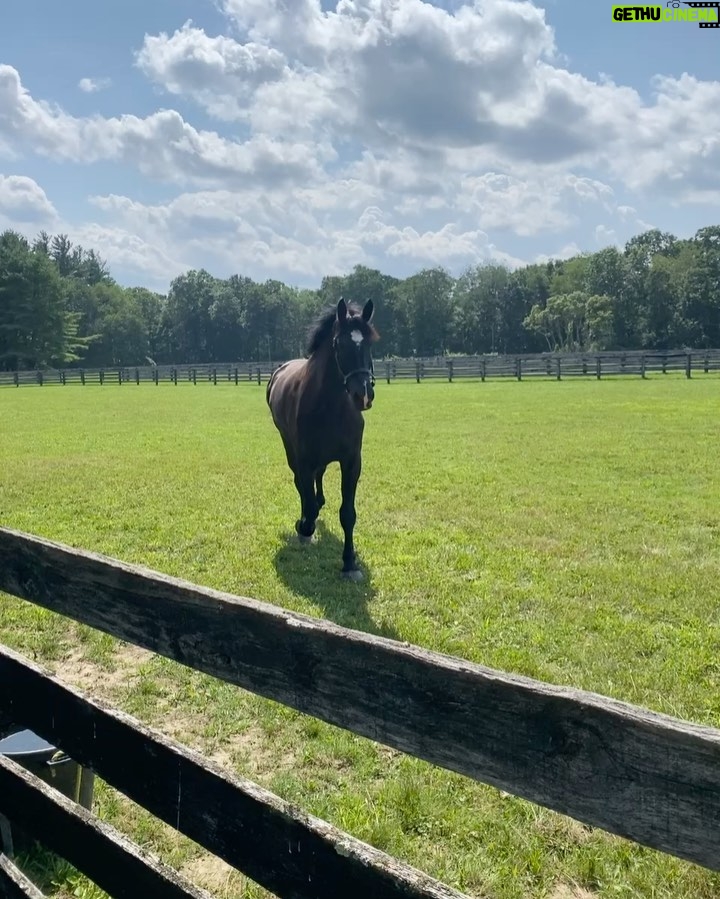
(16, 379)
(417, 372)
(518, 368)
(137, 376)
(450, 370)
(707, 363)
(258, 374)
(598, 367)
(119, 376)
(482, 370)
(557, 360)
(387, 371)
(82, 376)
(237, 376)
(102, 377)
(194, 376)
(688, 365)
(642, 365)
(214, 375)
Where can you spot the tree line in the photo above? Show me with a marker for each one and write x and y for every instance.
(60, 306)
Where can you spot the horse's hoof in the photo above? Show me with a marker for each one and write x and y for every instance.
(356, 576)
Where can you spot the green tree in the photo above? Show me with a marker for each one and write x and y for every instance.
(424, 305)
(479, 306)
(36, 329)
(574, 321)
(188, 318)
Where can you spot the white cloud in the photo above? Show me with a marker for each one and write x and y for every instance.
(389, 132)
(527, 207)
(480, 84)
(565, 252)
(24, 202)
(162, 145)
(218, 72)
(93, 85)
(144, 261)
(297, 233)
(605, 236)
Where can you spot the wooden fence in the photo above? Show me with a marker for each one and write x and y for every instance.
(644, 776)
(639, 363)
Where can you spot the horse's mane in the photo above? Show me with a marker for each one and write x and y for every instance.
(321, 330)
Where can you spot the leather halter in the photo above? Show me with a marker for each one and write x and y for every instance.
(356, 371)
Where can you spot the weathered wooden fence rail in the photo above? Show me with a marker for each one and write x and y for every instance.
(644, 776)
(637, 363)
(14, 884)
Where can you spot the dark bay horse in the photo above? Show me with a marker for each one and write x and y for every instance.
(317, 405)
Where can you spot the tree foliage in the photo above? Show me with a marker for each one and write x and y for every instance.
(59, 305)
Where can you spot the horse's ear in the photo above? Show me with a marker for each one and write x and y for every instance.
(368, 310)
(341, 310)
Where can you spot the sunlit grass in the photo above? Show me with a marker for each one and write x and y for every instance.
(567, 531)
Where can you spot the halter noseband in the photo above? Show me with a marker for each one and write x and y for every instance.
(356, 371)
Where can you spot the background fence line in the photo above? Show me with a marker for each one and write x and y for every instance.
(517, 366)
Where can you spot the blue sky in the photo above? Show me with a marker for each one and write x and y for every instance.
(282, 139)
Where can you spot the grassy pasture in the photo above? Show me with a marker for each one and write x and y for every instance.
(567, 531)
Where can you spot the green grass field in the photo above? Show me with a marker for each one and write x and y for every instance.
(566, 531)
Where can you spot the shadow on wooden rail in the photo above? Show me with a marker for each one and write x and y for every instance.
(644, 776)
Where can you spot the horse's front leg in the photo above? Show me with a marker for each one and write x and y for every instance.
(319, 495)
(304, 482)
(350, 474)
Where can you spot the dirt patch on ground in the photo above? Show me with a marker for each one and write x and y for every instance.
(566, 891)
(215, 876)
(253, 752)
(249, 751)
(98, 680)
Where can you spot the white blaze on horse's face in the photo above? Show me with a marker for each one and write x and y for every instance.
(357, 338)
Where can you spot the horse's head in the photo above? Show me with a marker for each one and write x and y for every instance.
(353, 336)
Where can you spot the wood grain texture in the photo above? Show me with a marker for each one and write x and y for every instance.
(278, 846)
(644, 776)
(110, 860)
(14, 884)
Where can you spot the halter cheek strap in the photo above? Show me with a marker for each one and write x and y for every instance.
(356, 371)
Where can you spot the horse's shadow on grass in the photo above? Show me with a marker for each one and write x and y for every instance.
(313, 570)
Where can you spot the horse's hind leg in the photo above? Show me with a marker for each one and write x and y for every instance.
(319, 495)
